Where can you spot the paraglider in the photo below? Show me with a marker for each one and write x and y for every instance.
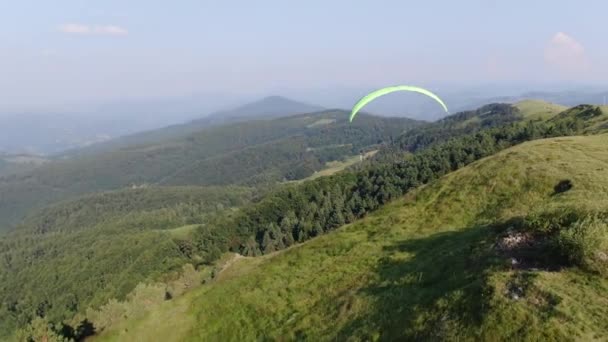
(375, 94)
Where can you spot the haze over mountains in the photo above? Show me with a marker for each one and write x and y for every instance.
(266, 108)
(50, 133)
(55, 132)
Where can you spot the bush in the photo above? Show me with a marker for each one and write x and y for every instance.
(585, 244)
(573, 237)
(563, 186)
(552, 221)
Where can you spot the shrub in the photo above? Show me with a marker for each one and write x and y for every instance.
(585, 243)
(574, 237)
(552, 221)
(563, 186)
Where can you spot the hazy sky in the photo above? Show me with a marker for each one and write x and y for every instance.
(63, 52)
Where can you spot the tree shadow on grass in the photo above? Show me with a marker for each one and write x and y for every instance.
(430, 288)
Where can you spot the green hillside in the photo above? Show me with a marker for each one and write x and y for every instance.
(467, 122)
(297, 213)
(94, 209)
(439, 263)
(337, 166)
(538, 109)
(256, 152)
(80, 253)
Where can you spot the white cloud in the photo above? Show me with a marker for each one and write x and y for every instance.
(80, 29)
(566, 54)
(111, 30)
(75, 29)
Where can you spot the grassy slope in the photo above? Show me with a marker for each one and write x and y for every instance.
(420, 267)
(538, 109)
(528, 109)
(600, 122)
(336, 166)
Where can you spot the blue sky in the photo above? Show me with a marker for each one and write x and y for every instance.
(60, 52)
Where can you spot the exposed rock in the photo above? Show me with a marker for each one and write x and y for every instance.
(515, 240)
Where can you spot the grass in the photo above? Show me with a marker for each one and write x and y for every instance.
(321, 122)
(163, 320)
(337, 166)
(538, 109)
(421, 268)
(600, 123)
(183, 232)
(167, 321)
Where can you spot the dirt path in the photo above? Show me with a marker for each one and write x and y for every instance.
(229, 263)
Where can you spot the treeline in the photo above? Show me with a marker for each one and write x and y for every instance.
(301, 212)
(468, 122)
(294, 157)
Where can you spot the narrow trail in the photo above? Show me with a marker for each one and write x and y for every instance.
(230, 262)
(236, 257)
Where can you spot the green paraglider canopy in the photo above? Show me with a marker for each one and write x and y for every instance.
(375, 94)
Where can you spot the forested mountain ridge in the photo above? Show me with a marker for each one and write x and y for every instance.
(250, 152)
(270, 107)
(471, 121)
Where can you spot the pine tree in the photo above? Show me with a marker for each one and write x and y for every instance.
(267, 243)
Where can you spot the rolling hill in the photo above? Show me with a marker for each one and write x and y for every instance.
(538, 109)
(245, 153)
(560, 98)
(270, 107)
(498, 114)
(484, 253)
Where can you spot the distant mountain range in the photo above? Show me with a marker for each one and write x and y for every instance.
(50, 133)
(267, 108)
